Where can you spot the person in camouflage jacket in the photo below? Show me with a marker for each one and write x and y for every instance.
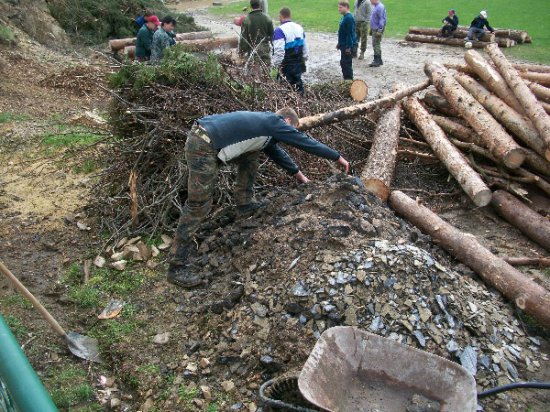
(256, 34)
(162, 38)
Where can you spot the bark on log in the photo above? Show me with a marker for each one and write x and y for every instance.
(525, 261)
(359, 90)
(505, 42)
(457, 130)
(350, 112)
(449, 155)
(457, 34)
(526, 294)
(492, 134)
(508, 117)
(448, 41)
(541, 78)
(545, 106)
(529, 222)
(521, 36)
(210, 44)
(538, 68)
(491, 77)
(439, 103)
(378, 173)
(130, 52)
(194, 35)
(533, 109)
(541, 92)
(119, 44)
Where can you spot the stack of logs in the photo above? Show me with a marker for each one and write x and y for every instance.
(196, 41)
(498, 136)
(502, 37)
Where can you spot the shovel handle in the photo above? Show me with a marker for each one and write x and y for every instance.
(25, 292)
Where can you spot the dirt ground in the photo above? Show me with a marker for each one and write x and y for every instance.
(41, 202)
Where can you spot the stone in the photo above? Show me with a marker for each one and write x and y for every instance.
(228, 386)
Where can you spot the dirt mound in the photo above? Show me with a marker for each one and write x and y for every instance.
(82, 81)
(323, 255)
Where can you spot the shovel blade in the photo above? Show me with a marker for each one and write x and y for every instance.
(84, 347)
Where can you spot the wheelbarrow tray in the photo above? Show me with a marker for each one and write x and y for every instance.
(350, 370)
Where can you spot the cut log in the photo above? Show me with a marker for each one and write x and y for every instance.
(532, 108)
(378, 173)
(538, 68)
(130, 52)
(492, 134)
(359, 90)
(520, 36)
(434, 100)
(545, 106)
(457, 34)
(505, 42)
(210, 44)
(448, 41)
(457, 129)
(119, 44)
(449, 155)
(526, 261)
(541, 92)
(529, 222)
(194, 35)
(491, 77)
(350, 112)
(508, 117)
(526, 294)
(541, 78)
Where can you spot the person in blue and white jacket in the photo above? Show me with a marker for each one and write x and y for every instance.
(290, 50)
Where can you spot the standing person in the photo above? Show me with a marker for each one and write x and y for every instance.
(377, 27)
(239, 137)
(162, 38)
(256, 33)
(477, 26)
(362, 25)
(346, 39)
(290, 50)
(450, 24)
(144, 38)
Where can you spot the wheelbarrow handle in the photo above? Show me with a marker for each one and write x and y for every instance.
(25, 292)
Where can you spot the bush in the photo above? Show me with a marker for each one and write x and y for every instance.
(94, 21)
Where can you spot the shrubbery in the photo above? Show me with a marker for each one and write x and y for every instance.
(94, 21)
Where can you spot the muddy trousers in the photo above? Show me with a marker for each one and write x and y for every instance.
(346, 63)
(362, 31)
(202, 167)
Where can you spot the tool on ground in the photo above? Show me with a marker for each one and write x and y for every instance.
(80, 345)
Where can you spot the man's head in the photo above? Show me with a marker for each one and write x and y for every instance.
(483, 14)
(290, 116)
(152, 22)
(452, 12)
(168, 23)
(255, 4)
(343, 7)
(374, 2)
(284, 14)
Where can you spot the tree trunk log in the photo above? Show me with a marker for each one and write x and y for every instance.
(350, 112)
(529, 222)
(492, 134)
(359, 90)
(210, 44)
(525, 261)
(508, 117)
(505, 42)
(378, 173)
(545, 106)
(130, 52)
(533, 109)
(448, 41)
(457, 130)
(119, 44)
(526, 294)
(520, 36)
(491, 77)
(457, 34)
(194, 35)
(541, 92)
(433, 99)
(538, 68)
(449, 155)
(541, 78)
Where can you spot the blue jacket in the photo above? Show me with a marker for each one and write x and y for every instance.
(346, 32)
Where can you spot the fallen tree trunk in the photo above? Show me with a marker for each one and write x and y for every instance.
(541, 78)
(545, 106)
(538, 68)
(457, 129)
(505, 42)
(439, 103)
(526, 294)
(533, 109)
(492, 78)
(529, 222)
(508, 117)
(119, 44)
(525, 261)
(521, 36)
(492, 134)
(194, 35)
(457, 34)
(350, 112)
(196, 45)
(378, 173)
(541, 92)
(449, 155)
(448, 41)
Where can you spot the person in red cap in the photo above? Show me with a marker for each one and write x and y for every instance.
(144, 38)
(450, 24)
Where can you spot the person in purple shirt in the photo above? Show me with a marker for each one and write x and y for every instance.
(377, 27)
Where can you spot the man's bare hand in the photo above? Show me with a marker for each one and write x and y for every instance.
(300, 177)
(343, 164)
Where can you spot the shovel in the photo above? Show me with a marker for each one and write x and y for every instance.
(82, 346)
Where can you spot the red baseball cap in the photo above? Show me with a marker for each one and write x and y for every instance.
(154, 19)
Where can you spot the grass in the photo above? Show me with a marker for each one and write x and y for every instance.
(69, 388)
(6, 35)
(16, 300)
(322, 15)
(6, 117)
(17, 328)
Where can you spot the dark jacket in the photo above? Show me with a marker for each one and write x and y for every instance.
(257, 28)
(453, 21)
(241, 131)
(143, 42)
(346, 32)
(479, 23)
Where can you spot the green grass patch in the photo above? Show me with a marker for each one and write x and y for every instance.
(6, 35)
(186, 394)
(85, 167)
(16, 300)
(70, 139)
(111, 331)
(10, 117)
(69, 388)
(17, 328)
(322, 15)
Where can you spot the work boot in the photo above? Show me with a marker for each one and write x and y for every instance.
(362, 56)
(250, 208)
(183, 276)
(376, 62)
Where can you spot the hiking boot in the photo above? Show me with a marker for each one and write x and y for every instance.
(376, 62)
(183, 276)
(362, 56)
(250, 208)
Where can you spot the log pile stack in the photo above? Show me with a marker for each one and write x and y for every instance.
(502, 37)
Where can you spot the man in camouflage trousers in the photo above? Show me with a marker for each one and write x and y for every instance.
(236, 137)
(362, 25)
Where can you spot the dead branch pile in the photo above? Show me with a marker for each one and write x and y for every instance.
(80, 81)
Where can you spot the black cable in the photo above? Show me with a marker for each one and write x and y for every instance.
(517, 385)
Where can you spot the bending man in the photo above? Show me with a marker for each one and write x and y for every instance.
(237, 137)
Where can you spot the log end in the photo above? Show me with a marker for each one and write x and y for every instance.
(482, 198)
(520, 302)
(359, 90)
(377, 188)
(514, 158)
